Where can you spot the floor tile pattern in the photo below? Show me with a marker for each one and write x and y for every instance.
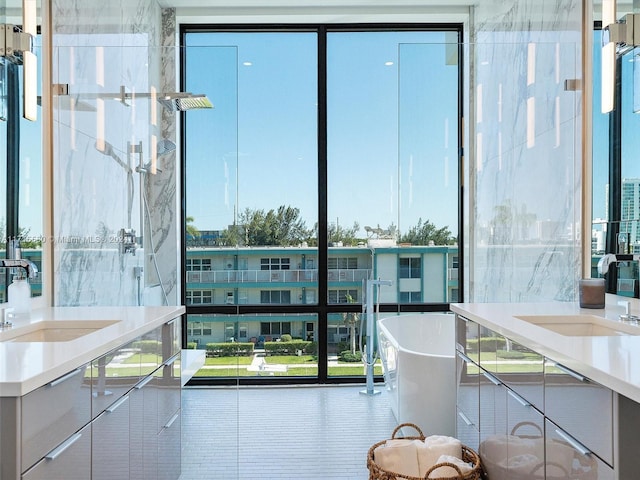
(264, 433)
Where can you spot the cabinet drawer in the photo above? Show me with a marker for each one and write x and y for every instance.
(519, 452)
(171, 338)
(70, 460)
(467, 333)
(569, 458)
(53, 412)
(468, 388)
(113, 375)
(466, 431)
(581, 407)
(169, 391)
(110, 442)
(169, 448)
(150, 346)
(522, 370)
(493, 406)
(488, 344)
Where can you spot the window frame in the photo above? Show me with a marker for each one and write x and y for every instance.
(323, 308)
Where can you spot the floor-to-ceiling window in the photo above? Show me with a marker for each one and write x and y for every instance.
(331, 158)
(616, 176)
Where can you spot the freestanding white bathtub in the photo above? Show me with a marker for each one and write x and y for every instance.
(418, 360)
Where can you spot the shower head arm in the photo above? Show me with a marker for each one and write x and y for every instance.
(123, 96)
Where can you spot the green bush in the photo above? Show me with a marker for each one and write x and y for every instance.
(286, 348)
(347, 356)
(229, 349)
(312, 348)
(285, 337)
(192, 345)
(147, 346)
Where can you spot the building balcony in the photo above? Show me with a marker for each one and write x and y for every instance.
(274, 276)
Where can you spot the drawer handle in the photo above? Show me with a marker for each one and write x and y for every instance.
(173, 419)
(58, 381)
(519, 399)
(143, 382)
(492, 379)
(573, 442)
(465, 419)
(169, 362)
(114, 406)
(464, 357)
(53, 454)
(571, 373)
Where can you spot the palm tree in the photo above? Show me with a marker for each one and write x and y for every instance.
(192, 230)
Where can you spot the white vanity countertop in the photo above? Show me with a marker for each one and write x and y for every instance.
(25, 366)
(613, 361)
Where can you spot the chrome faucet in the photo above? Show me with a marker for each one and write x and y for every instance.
(28, 265)
(626, 316)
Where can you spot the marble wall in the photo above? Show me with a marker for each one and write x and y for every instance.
(523, 173)
(102, 51)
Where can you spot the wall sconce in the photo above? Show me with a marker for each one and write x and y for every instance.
(16, 45)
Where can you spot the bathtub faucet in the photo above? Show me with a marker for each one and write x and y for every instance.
(369, 359)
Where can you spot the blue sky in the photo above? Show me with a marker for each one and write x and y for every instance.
(264, 88)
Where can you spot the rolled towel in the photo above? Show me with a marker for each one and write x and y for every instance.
(398, 457)
(447, 471)
(435, 446)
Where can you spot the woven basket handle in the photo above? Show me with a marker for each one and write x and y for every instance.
(445, 464)
(402, 425)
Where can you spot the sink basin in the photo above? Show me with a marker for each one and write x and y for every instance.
(581, 325)
(54, 331)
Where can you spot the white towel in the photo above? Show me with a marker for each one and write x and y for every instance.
(433, 447)
(450, 472)
(398, 456)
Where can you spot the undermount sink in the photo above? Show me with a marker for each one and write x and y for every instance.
(581, 325)
(54, 331)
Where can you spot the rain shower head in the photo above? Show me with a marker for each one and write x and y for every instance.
(173, 101)
(184, 102)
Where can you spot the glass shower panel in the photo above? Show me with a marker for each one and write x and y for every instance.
(108, 123)
(428, 140)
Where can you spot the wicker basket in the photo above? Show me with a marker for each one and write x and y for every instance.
(378, 473)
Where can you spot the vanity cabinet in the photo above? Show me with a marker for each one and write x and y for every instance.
(111, 418)
(536, 417)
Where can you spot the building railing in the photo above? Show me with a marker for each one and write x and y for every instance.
(275, 276)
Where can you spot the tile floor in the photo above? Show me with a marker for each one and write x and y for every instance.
(299, 432)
